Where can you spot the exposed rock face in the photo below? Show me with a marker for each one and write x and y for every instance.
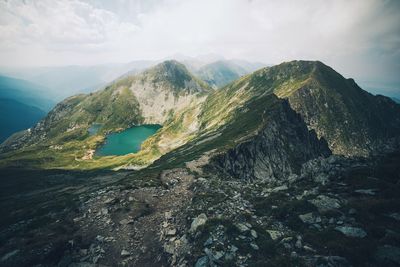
(353, 121)
(168, 87)
(277, 151)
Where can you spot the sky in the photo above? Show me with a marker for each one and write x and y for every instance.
(358, 38)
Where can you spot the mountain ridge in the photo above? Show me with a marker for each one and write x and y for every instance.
(190, 111)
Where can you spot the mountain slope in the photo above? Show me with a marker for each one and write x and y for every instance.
(165, 94)
(353, 121)
(16, 116)
(197, 120)
(222, 72)
(25, 92)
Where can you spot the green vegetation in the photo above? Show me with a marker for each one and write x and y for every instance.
(349, 118)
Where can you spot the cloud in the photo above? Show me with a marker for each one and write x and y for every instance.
(360, 38)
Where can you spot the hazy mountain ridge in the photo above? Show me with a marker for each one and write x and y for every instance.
(16, 116)
(65, 81)
(25, 92)
(222, 72)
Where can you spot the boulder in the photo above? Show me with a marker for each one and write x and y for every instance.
(351, 231)
(325, 203)
(198, 221)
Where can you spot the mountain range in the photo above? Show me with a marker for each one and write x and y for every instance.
(23, 104)
(287, 165)
(351, 121)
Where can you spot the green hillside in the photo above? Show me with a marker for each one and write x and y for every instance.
(197, 119)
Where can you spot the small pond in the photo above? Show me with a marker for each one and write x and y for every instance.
(127, 141)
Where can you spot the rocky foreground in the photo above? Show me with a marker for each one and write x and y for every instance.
(336, 212)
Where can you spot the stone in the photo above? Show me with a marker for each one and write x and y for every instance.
(351, 231)
(168, 215)
(125, 222)
(218, 255)
(234, 248)
(278, 189)
(370, 192)
(208, 242)
(254, 246)
(253, 233)
(388, 254)
(352, 211)
(171, 232)
(125, 253)
(202, 262)
(321, 178)
(274, 234)
(242, 227)
(395, 216)
(325, 203)
(307, 218)
(100, 238)
(104, 211)
(298, 243)
(198, 221)
(169, 247)
(309, 249)
(110, 200)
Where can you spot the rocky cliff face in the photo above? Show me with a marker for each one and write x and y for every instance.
(353, 121)
(166, 88)
(277, 151)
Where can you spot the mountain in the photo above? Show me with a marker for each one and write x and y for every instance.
(291, 165)
(350, 120)
(65, 81)
(222, 72)
(396, 100)
(16, 116)
(353, 121)
(164, 94)
(26, 93)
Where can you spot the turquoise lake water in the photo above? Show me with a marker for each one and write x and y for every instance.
(128, 141)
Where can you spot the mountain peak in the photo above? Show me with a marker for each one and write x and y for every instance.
(176, 75)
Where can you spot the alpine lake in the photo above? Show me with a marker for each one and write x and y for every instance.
(124, 142)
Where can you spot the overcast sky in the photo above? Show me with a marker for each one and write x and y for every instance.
(359, 38)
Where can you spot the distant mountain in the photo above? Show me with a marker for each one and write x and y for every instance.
(222, 72)
(65, 81)
(26, 93)
(16, 116)
(396, 100)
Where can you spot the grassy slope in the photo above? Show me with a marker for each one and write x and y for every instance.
(116, 108)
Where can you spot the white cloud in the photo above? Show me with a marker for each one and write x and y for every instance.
(360, 38)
